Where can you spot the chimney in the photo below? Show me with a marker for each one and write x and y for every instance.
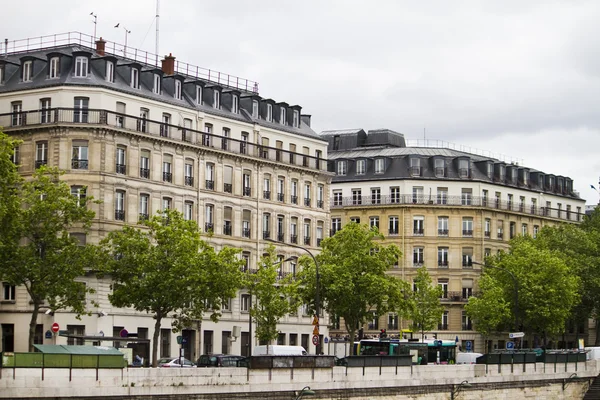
(100, 46)
(168, 65)
(306, 119)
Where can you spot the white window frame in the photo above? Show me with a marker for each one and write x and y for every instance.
(379, 165)
(110, 71)
(188, 210)
(27, 71)
(282, 115)
(296, 119)
(54, 68)
(341, 167)
(269, 112)
(81, 67)
(216, 99)
(254, 108)
(135, 78)
(156, 87)
(177, 93)
(361, 167)
(144, 204)
(235, 105)
(198, 94)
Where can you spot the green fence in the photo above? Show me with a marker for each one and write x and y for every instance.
(43, 360)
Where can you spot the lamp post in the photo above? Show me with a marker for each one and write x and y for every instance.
(516, 288)
(457, 388)
(317, 283)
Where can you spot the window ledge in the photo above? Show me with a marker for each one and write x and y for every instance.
(8, 302)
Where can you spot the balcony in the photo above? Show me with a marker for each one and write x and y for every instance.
(243, 148)
(164, 130)
(266, 234)
(294, 239)
(418, 232)
(208, 227)
(307, 202)
(280, 236)
(442, 327)
(267, 195)
(144, 173)
(442, 232)
(500, 235)
(280, 197)
(189, 181)
(120, 169)
(467, 232)
(39, 163)
(186, 137)
(442, 264)
(227, 229)
(143, 217)
(77, 163)
(487, 234)
(120, 215)
(467, 264)
(167, 177)
(319, 240)
(246, 191)
(393, 231)
(467, 327)
(418, 263)
(227, 187)
(294, 199)
(319, 203)
(210, 184)
(307, 240)
(246, 233)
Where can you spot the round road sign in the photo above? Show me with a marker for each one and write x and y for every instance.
(55, 327)
(315, 339)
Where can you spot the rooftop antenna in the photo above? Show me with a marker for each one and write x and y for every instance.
(126, 33)
(95, 23)
(157, 18)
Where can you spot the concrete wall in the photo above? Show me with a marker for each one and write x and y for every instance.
(420, 382)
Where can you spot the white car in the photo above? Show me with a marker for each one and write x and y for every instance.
(175, 363)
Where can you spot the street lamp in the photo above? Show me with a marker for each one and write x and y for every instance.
(457, 388)
(305, 392)
(317, 283)
(516, 288)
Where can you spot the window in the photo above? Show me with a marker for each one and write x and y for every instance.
(216, 99)
(280, 229)
(81, 66)
(207, 135)
(246, 215)
(394, 195)
(524, 229)
(1, 74)
(110, 72)
(467, 257)
(210, 176)
(245, 301)
(189, 173)
(442, 226)
(379, 165)
(280, 189)
(417, 195)
(466, 197)
(467, 324)
(419, 225)
(266, 225)
(135, 78)
(487, 228)
(144, 206)
(361, 167)
(45, 112)
(145, 164)
(156, 87)
(80, 112)
(142, 122)
(294, 194)
(320, 196)
(188, 210)
(246, 189)
(467, 226)
(164, 127)
(500, 230)
(227, 217)
(228, 179)
(15, 155)
(337, 198)
(307, 196)
(393, 225)
(443, 257)
(307, 230)
(296, 119)
(440, 167)
(375, 196)
(484, 198)
(418, 256)
(512, 229)
(54, 68)
(443, 283)
(120, 205)
(269, 113)
(235, 107)
(282, 116)
(79, 158)
(167, 168)
(177, 94)
(27, 71)
(41, 154)
(166, 203)
(374, 222)
(8, 292)
(336, 225)
(294, 230)
(341, 167)
(209, 217)
(536, 230)
(267, 187)
(356, 197)
(319, 233)
(442, 195)
(225, 139)
(199, 94)
(356, 220)
(510, 202)
(121, 165)
(79, 192)
(490, 170)
(254, 108)
(415, 166)
(463, 168)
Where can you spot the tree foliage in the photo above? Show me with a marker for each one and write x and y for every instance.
(167, 270)
(275, 295)
(10, 184)
(425, 310)
(39, 252)
(354, 282)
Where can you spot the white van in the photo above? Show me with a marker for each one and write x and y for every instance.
(278, 350)
(467, 358)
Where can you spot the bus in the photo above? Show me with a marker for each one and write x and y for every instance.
(422, 352)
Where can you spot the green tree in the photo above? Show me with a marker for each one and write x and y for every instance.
(275, 296)
(425, 311)
(354, 279)
(490, 310)
(167, 270)
(10, 183)
(41, 255)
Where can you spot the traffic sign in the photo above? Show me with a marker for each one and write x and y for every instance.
(315, 320)
(469, 345)
(123, 333)
(316, 330)
(510, 345)
(55, 327)
(179, 339)
(315, 340)
(48, 334)
(514, 335)
(326, 340)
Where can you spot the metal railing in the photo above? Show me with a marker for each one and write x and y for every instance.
(22, 46)
(76, 116)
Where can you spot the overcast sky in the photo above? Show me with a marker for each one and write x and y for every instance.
(520, 78)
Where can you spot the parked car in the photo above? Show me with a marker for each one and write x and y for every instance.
(174, 363)
(219, 360)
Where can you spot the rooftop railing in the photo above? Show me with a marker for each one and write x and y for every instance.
(23, 46)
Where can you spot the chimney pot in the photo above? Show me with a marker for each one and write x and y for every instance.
(168, 65)
(100, 46)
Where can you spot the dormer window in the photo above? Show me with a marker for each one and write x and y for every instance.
(490, 170)
(156, 87)
(379, 165)
(341, 167)
(296, 120)
(216, 99)
(81, 67)
(235, 106)
(177, 94)
(282, 116)
(525, 178)
(463, 168)
(440, 169)
(110, 71)
(1, 74)
(27, 71)
(415, 167)
(361, 167)
(513, 174)
(199, 95)
(135, 78)
(254, 108)
(269, 113)
(501, 173)
(54, 71)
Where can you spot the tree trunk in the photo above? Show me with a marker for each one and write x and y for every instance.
(597, 341)
(32, 325)
(155, 339)
(352, 334)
